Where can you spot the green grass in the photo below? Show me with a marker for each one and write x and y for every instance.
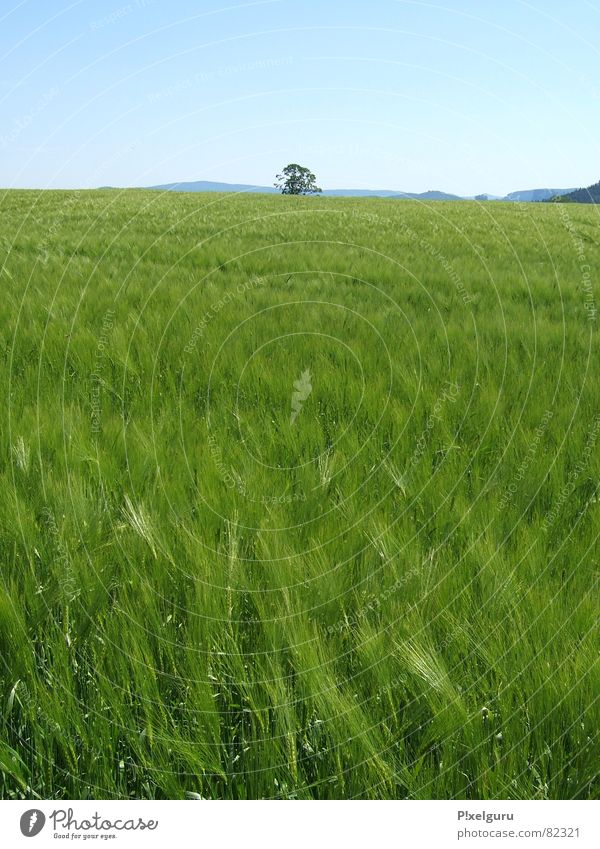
(392, 596)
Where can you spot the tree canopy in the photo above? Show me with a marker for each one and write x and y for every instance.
(297, 180)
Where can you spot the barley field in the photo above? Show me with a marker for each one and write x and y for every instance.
(299, 498)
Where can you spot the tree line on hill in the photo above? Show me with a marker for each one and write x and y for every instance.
(589, 195)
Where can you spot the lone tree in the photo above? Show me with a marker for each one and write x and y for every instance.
(296, 180)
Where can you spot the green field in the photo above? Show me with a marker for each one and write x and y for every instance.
(299, 498)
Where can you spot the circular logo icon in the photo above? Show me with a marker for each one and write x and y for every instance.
(32, 822)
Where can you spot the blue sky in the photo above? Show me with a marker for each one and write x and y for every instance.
(462, 96)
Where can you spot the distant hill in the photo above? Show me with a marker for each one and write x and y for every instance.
(430, 195)
(360, 193)
(589, 195)
(204, 186)
(532, 195)
(528, 195)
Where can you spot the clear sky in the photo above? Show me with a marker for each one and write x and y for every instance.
(466, 96)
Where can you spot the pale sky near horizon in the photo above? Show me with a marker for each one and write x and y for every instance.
(461, 96)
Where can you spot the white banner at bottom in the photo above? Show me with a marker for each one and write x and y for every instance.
(301, 824)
